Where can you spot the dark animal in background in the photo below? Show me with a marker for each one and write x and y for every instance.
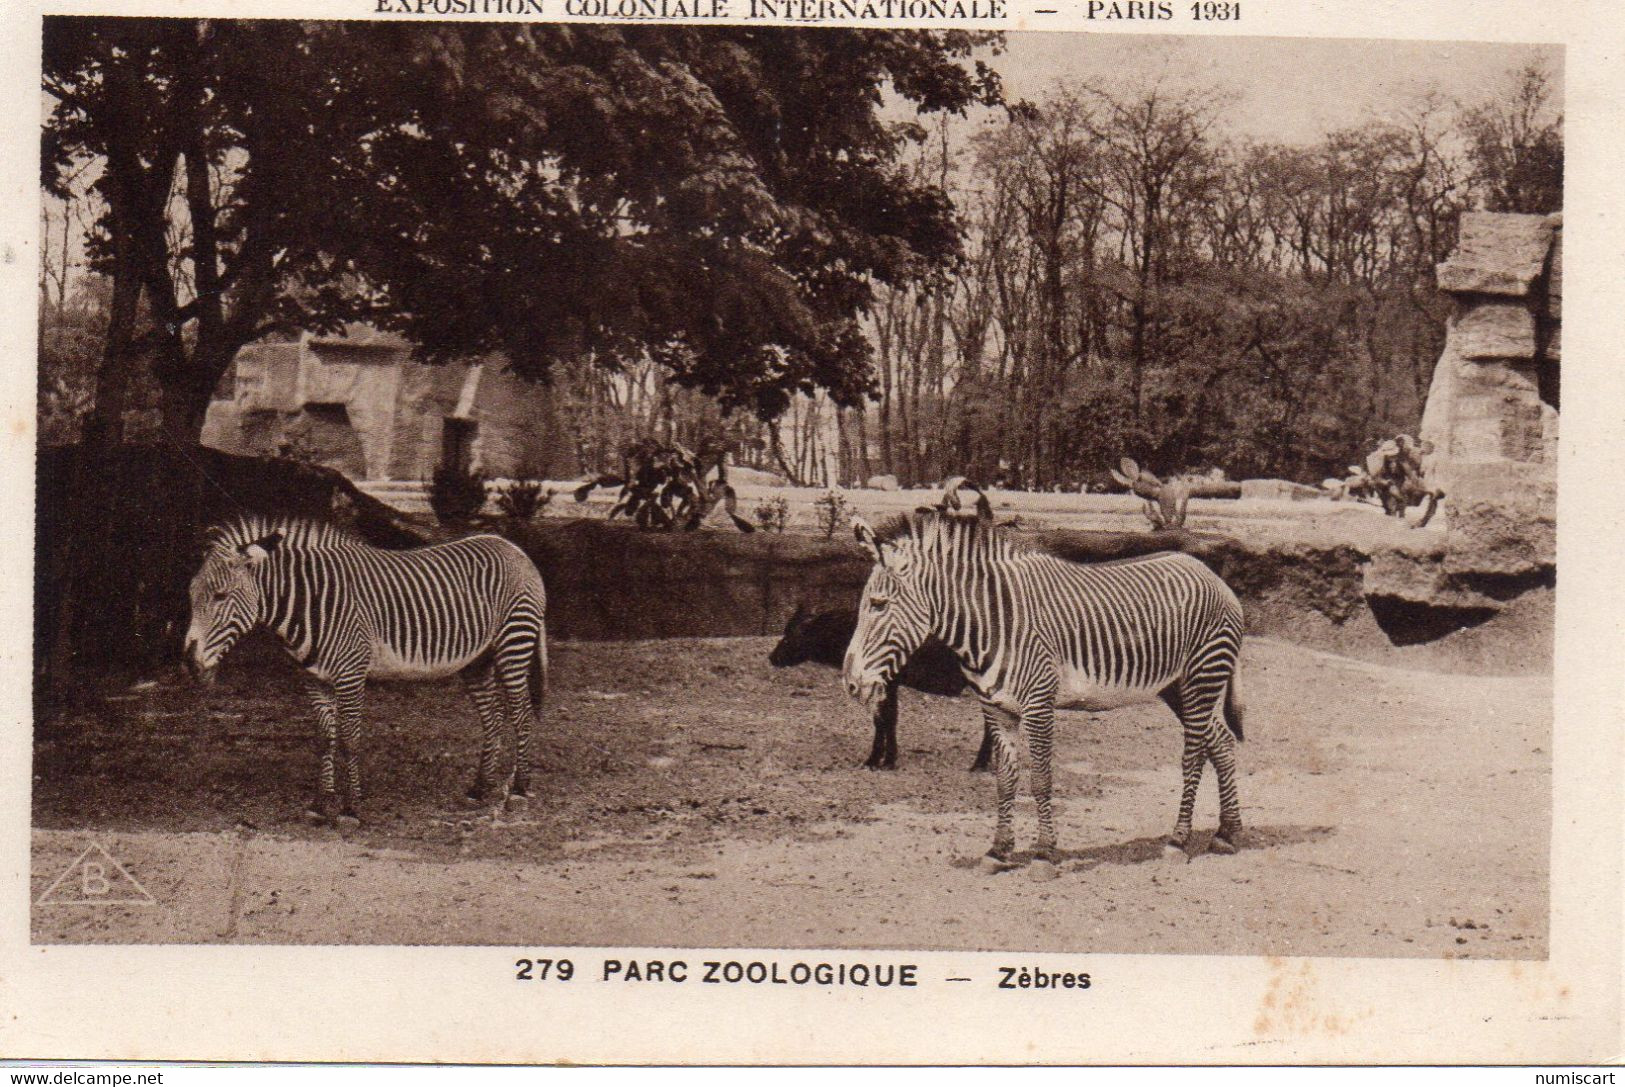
(822, 638)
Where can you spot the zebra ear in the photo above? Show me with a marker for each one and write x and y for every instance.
(952, 501)
(261, 549)
(984, 509)
(866, 536)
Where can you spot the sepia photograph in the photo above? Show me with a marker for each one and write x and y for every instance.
(836, 489)
(620, 479)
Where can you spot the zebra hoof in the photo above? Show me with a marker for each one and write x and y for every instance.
(1222, 844)
(1042, 871)
(517, 802)
(991, 865)
(1174, 851)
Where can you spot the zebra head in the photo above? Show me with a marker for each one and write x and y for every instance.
(796, 645)
(226, 600)
(893, 617)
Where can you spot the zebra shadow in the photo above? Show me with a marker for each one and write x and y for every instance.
(1141, 850)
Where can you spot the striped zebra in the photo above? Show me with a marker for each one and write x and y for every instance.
(1034, 632)
(347, 611)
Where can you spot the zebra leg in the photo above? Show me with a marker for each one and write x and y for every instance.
(1221, 751)
(347, 695)
(1190, 764)
(325, 806)
(1207, 739)
(984, 754)
(480, 680)
(1001, 724)
(883, 752)
(1040, 725)
(514, 679)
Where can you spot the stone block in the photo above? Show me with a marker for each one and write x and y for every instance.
(1523, 431)
(1417, 576)
(268, 377)
(1519, 378)
(1494, 331)
(1503, 520)
(1404, 576)
(1497, 254)
(1496, 414)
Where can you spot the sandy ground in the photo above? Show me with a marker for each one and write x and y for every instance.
(692, 795)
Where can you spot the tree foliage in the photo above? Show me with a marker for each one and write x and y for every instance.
(725, 199)
(1516, 146)
(1139, 283)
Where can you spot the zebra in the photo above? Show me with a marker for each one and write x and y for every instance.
(347, 612)
(822, 637)
(1034, 631)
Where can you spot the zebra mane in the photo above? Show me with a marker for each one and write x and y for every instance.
(905, 525)
(298, 533)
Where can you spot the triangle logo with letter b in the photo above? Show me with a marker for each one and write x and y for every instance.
(95, 879)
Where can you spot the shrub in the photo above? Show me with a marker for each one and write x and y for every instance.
(455, 495)
(521, 499)
(772, 514)
(833, 511)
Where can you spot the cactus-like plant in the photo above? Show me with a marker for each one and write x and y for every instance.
(665, 487)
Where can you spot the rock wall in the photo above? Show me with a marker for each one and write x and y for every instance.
(363, 405)
(1492, 415)
(609, 581)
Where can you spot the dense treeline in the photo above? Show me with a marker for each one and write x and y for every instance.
(1135, 281)
(1138, 283)
(1117, 273)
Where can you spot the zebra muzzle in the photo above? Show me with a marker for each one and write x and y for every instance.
(868, 693)
(204, 676)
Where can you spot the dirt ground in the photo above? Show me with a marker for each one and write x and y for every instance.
(692, 795)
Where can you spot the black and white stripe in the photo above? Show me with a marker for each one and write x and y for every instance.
(1034, 632)
(347, 611)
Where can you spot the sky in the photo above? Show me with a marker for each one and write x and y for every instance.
(1290, 90)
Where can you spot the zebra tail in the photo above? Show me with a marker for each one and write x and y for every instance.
(538, 674)
(1234, 710)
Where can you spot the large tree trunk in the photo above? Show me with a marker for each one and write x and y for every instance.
(120, 359)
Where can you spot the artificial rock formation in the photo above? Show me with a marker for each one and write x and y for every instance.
(1492, 414)
(364, 405)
